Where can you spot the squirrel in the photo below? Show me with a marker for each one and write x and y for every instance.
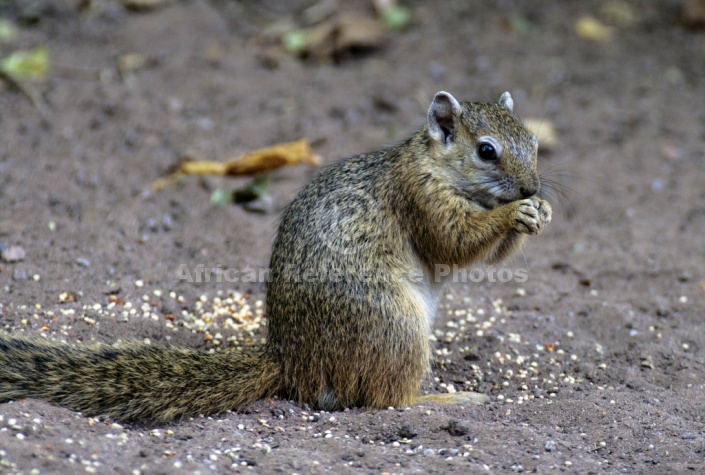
(352, 289)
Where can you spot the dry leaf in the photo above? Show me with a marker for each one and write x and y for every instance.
(592, 29)
(336, 36)
(391, 14)
(318, 41)
(250, 163)
(357, 31)
(544, 130)
(270, 158)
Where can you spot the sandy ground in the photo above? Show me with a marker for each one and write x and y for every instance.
(594, 364)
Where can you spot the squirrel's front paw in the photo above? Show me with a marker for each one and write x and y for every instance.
(531, 215)
(544, 208)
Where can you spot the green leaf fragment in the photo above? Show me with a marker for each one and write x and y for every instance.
(395, 17)
(32, 64)
(296, 42)
(221, 197)
(8, 31)
(257, 188)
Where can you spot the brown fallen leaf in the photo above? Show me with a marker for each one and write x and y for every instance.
(357, 31)
(345, 32)
(250, 163)
(260, 160)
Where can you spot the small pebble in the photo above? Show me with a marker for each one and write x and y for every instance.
(14, 254)
(83, 262)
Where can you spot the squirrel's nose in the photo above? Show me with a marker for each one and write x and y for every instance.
(528, 191)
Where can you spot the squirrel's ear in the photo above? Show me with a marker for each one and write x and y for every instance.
(443, 116)
(506, 101)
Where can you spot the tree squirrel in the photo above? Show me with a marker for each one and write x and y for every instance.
(352, 290)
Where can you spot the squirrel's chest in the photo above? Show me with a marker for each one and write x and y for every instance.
(425, 290)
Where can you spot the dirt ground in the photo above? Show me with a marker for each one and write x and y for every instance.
(595, 364)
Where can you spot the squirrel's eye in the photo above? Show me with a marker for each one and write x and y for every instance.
(487, 152)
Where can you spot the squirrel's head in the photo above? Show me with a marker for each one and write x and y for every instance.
(484, 148)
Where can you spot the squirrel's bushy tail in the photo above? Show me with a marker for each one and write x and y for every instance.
(135, 381)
